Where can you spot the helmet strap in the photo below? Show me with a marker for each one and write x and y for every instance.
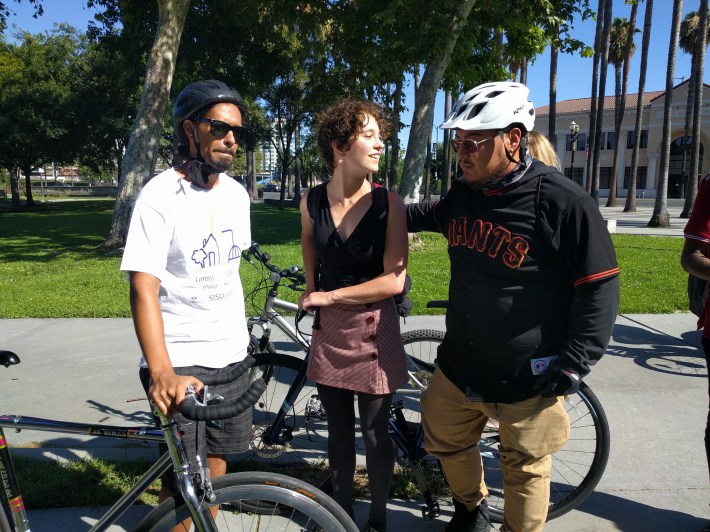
(198, 171)
(523, 149)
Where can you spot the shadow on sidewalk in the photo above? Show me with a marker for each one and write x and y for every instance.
(632, 515)
(658, 351)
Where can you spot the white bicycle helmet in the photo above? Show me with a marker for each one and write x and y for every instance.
(494, 105)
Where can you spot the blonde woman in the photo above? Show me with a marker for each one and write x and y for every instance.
(541, 148)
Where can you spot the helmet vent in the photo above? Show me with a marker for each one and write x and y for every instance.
(475, 110)
(494, 94)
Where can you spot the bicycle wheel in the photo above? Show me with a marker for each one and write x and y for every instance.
(303, 438)
(576, 468)
(421, 344)
(295, 505)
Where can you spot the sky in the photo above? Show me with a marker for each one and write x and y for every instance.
(574, 73)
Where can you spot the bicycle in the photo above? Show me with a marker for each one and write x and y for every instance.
(246, 501)
(291, 428)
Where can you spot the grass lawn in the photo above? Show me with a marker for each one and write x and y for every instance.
(52, 264)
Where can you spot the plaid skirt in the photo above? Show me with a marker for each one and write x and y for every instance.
(358, 347)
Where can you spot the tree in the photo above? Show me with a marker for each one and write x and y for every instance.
(591, 143)
(630, 205)
(141, 152)
(621, 48)
(693, 40)
(606, 32)
(424, 103)
(660, 216)
(36, 115)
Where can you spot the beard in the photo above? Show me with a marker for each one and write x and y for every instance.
(220, 165)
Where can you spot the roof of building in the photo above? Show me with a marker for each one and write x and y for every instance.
(584, 105)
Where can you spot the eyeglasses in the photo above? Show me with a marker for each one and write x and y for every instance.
(469, 146)
(219, 129)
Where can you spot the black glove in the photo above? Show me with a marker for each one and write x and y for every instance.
(558, 381)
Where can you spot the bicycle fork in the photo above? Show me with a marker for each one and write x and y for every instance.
(410, 443)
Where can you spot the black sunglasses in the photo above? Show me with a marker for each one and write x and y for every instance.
(219, 129)
(469, 145)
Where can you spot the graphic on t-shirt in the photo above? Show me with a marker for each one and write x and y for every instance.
(212, 251)
(483, 237)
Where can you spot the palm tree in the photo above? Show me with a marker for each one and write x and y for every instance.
(691, 41)
(621, 48)
(595, 85)
(554, 52)
(606, 32)
(631, 192)
(660, 216)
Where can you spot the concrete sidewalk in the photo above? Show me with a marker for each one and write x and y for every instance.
(652, 383)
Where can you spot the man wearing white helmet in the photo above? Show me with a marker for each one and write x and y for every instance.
(533, 297)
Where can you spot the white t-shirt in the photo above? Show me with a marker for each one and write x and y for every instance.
(191, 239)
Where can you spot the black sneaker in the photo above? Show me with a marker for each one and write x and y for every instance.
(476, 520)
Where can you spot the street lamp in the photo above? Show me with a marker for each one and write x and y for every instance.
(574, 131)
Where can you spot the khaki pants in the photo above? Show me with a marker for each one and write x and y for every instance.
(530, 431)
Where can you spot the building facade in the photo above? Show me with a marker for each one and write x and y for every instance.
(648, 168)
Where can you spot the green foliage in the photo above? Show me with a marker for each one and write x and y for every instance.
(52, 265)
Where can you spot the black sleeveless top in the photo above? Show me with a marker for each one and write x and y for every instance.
(360, 257)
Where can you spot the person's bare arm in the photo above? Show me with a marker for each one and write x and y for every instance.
(391, 282)
(694, 259)
(167, 389)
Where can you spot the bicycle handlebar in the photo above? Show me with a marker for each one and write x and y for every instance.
(293, 273)
(193, 409)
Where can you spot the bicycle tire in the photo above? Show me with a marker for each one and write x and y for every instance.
(576, 468)
(305, 430)
(295, 505)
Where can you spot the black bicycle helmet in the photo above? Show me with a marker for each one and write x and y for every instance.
(196, 97)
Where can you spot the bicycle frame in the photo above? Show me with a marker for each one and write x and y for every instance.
(169, 433)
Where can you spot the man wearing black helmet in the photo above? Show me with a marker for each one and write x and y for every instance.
(182, 254)
(533, 297)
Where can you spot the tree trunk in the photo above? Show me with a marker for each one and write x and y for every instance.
(628, 52)
(448, 152)
(28, 186)
(139, 161)
(697, 111)
(630, 205)
(686, 133)
(660, 217)
(524, 72)
(14, 187)
(424, 103)
(595, 102)
(552, 122)
(251, 174)
(394, 158)
(606, 32)
(297, 164)
(618, 115)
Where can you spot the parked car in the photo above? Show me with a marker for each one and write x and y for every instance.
(271, 187)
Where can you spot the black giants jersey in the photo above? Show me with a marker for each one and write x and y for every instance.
(533, 276)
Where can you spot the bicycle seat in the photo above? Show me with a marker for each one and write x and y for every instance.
(8, 358)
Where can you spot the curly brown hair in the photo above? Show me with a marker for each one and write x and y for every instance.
(342, 122)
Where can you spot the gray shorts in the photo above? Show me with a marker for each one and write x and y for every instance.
(204, 439)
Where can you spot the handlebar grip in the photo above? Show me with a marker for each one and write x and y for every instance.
(233, 374)
(191, 410)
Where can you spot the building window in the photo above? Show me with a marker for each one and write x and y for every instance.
(610, 141)
(640, 177)
(578, 174)
(581, 142)
(605, 177)
(630, 139)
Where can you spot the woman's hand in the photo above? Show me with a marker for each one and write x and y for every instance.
(309, 301)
